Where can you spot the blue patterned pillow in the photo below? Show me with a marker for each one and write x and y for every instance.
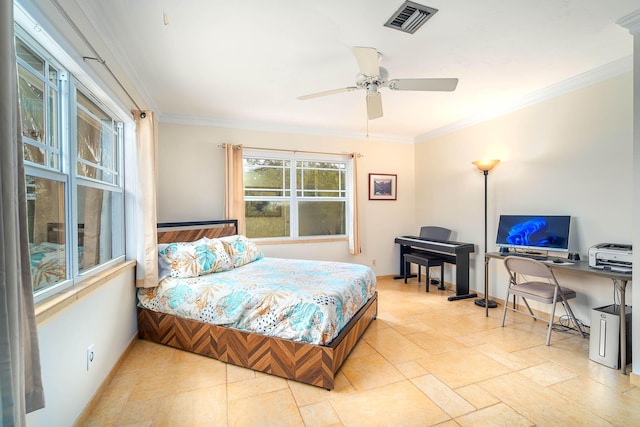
(192, 259)
(241, 250)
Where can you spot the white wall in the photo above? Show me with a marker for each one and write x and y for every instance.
(632, 23)
(571, 155)
(105, 318)
(636, 193)
(191, 186)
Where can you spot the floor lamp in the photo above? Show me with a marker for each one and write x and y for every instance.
(485, 166)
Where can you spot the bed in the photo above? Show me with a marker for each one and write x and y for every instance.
(48, 258)
(312, 352)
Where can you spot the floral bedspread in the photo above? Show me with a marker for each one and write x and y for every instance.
(306, 301)
(47, 264)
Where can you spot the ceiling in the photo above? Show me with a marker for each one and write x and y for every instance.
(243, 64)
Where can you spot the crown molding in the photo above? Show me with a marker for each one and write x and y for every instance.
(186, 119)
(631, 22)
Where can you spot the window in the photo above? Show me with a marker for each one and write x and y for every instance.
(294, 195)
(72, 147)
(99, 198)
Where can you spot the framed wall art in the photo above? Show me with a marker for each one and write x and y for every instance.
(382, 186)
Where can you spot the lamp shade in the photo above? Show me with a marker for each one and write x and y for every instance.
(486, 165)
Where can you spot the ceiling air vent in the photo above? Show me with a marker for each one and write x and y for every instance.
(410, 16)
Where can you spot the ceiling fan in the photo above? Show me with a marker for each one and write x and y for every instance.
(372, 77)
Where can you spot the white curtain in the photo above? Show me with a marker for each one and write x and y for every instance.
(141, 203)
(20, 381)
(234, 185)
(355, 247)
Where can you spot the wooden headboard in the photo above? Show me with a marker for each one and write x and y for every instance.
(169, 232)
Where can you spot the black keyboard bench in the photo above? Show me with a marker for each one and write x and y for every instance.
(426, 261)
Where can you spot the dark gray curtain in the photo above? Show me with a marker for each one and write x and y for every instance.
(20, 381)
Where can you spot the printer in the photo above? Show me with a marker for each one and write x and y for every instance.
(611, 256)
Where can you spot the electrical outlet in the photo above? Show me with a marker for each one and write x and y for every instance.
(373, 263)
(91, 356)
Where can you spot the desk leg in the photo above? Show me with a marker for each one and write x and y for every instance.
(621, 285)
(486, 285)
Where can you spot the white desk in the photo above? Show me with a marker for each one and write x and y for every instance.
(620, 281)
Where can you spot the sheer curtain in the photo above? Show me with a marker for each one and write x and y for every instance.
(354, 222)
(141, 189)
(20, 382)
(233, 185)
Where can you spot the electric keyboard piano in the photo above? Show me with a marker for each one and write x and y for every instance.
(450, 252)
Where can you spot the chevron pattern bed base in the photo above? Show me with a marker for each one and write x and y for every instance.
(306, 363)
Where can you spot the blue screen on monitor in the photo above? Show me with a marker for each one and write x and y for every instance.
(534, 232)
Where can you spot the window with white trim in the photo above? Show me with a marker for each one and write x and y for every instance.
(295, 195)
(72, 148)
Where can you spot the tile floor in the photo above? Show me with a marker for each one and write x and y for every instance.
(424, 361)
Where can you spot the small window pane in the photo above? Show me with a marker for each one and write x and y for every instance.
(321, 183)
(95, 226)
(320, 179)
(29, 56)
(33, 153)
(266, 177)
(46, 231)
(321, 218)
(31, 95)
(267, 219)
(97, 141)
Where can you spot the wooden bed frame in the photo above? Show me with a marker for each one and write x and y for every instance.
(311, 364)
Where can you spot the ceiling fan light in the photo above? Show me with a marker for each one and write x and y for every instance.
(361, 79)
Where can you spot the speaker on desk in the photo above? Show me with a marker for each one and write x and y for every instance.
(574, 256)
(504, 251)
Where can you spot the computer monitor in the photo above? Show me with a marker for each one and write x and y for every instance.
(539, 233)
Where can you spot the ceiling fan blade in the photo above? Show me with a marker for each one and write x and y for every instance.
(447, 85)
(327, 92)
(368, 62)
(374, 105)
